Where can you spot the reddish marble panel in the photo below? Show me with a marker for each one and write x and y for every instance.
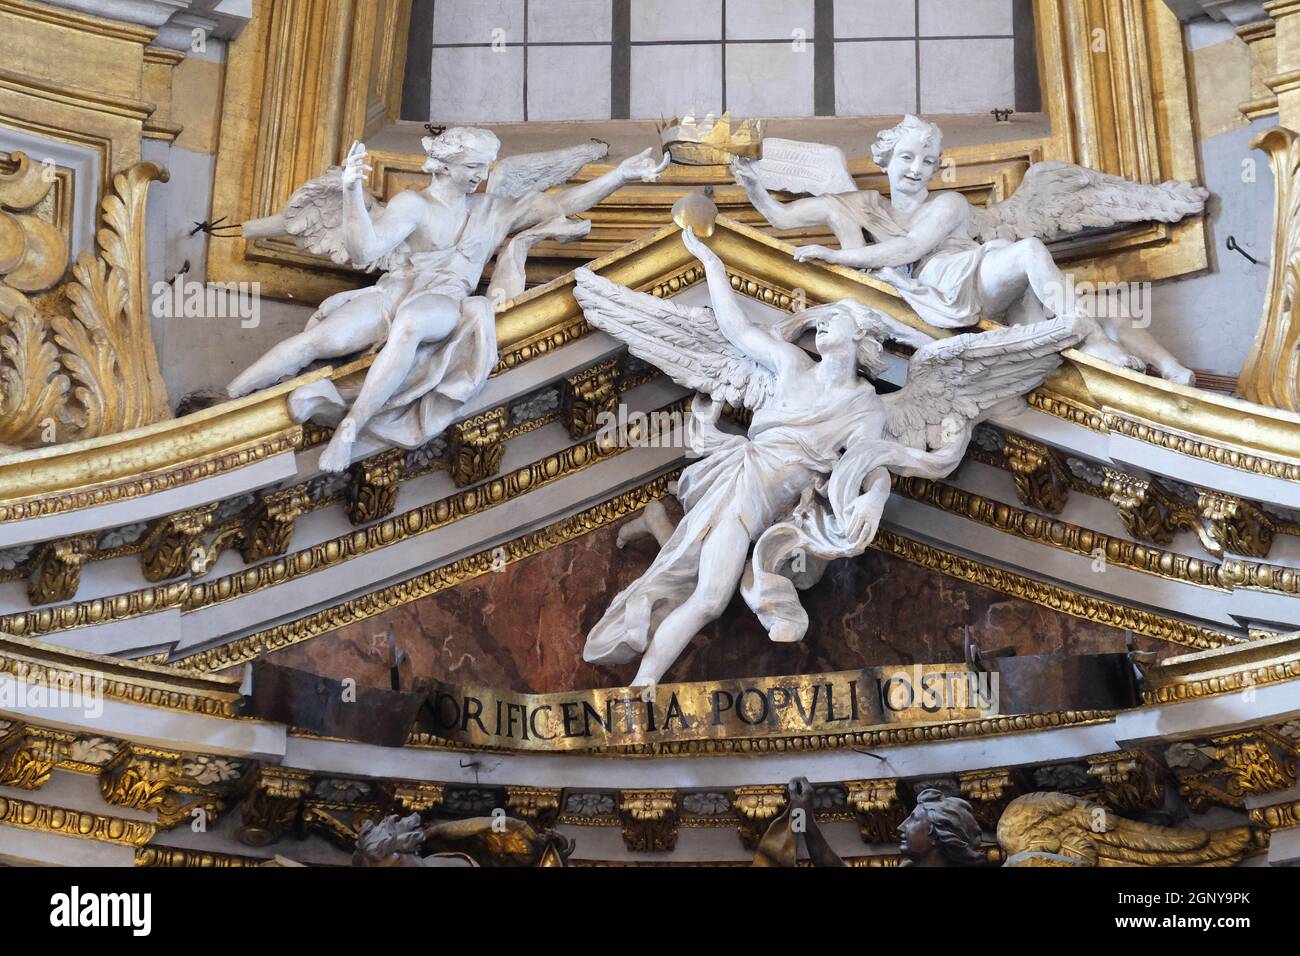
(523, 628)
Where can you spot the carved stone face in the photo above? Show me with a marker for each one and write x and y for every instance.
(836, 331)
(465, 177)
(915, 839)
(912, 165)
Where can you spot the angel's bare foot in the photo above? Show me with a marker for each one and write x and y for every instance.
(644, 684)
(1174, 372)
(1103, 348)
(337, 455)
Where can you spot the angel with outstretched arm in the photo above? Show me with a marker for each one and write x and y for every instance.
(808, 482)
(435, 342)
(956, 264)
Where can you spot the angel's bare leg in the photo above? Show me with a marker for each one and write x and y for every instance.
(351, 328)
(1004, 274)
(425, 318)
(1141, 344)
(722, 561)
(653, 521)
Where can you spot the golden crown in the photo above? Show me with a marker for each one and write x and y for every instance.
(711, 141)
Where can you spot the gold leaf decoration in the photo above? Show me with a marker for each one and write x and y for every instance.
(90, 368)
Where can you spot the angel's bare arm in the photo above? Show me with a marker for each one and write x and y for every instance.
(639, 168)
(367, 239)
(940, 216)
(755, 341)
(798, 214)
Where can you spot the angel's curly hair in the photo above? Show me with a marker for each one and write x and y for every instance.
(460, 144)
(953, 827)
(882, 150)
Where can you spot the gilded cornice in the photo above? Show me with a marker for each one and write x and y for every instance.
(61, 821)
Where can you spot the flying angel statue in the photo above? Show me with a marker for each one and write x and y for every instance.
(435, 342)
(955, 263)
(809, 481)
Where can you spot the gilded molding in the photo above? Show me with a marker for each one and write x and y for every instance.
(268, 530)
(366, 606)
(170, 548)
(74, 823)
(168, 856)
(756, 806)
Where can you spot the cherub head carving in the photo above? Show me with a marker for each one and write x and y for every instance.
(941, 831)
(461, 154)
(909, 154)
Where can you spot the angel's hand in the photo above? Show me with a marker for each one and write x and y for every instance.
(355, 169)
(804, 253)
(643, 167)
(745, 174)
(697, 248)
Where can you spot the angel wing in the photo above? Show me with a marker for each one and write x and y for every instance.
(514, 176)
(684, 341)
(314, 217)
(789, 165)
(952, 383)
(1057, 198)
(1047, 829)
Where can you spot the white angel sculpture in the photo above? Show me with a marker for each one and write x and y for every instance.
(435, 341)
(955, 263)
(809, 481)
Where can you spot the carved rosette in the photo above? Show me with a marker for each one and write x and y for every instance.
(78, 362)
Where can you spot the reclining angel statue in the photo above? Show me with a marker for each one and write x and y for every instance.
(954, 263)
(435, 342)
(809, 481)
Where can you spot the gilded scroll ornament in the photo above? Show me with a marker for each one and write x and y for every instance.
(1058, 829)
(79, 362)
(1271, 375)
(1041, 481)
(587, 396)
(28, 755)
(372, 486)
(477, 445)
(649, 819)
(56, 572)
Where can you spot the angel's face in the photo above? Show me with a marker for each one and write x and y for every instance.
(912, 165)
(836, 331)
(467, 176)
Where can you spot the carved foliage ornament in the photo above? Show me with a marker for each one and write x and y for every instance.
(77, 362)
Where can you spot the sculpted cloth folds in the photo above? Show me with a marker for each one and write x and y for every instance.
(451, 371)
(765, 478)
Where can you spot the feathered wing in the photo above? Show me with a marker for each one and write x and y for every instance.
(1044, 829)
(1056, 199)
(952, 383)
(683, 341)
(314, 217)
(514, 176)
(791, 166)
